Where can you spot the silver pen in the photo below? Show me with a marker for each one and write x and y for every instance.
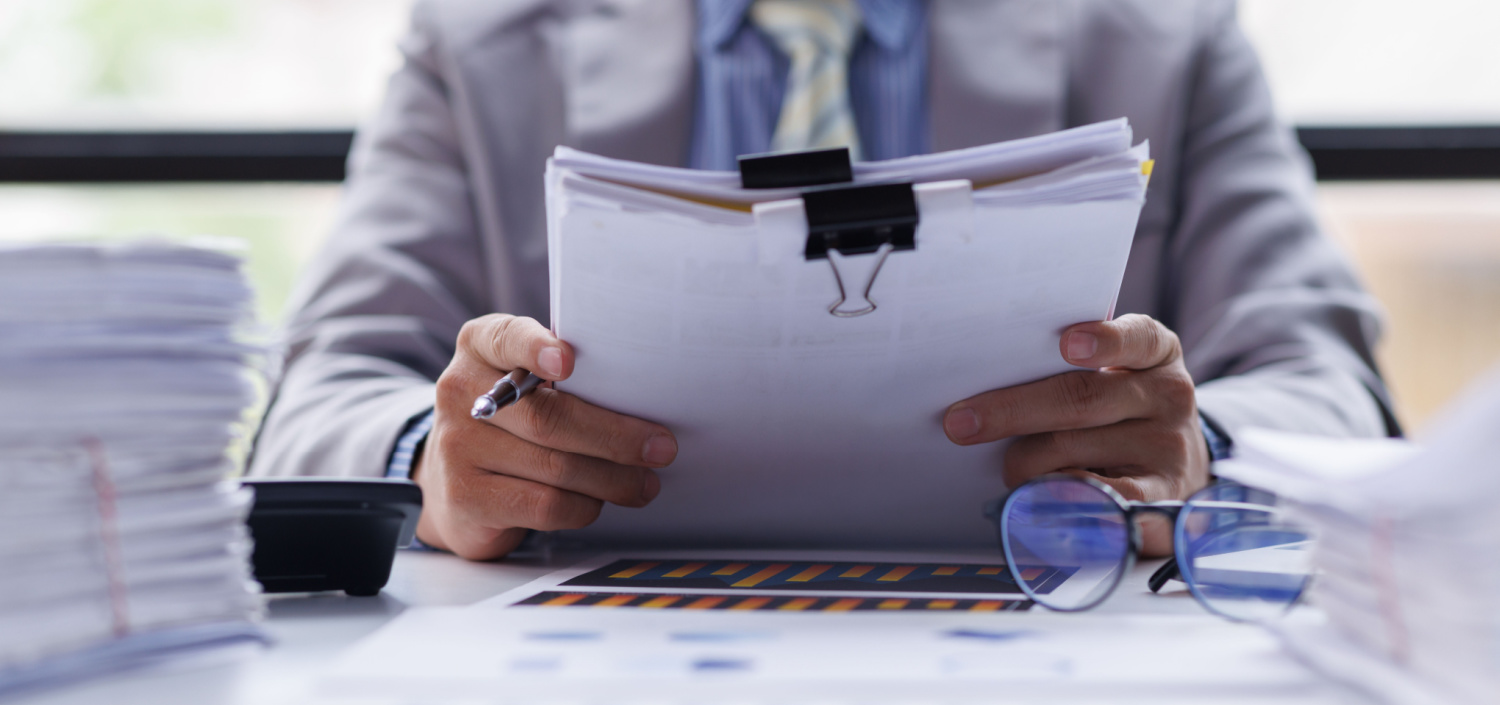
(505, 392)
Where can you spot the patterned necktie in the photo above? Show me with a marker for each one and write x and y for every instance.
(817, 36)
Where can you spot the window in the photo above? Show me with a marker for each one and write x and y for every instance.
(192, 65)
(282, 225)
(1380, 62)
(1429, 250)
(224, 64)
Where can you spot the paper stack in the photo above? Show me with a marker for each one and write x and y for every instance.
(806, 381)
(121, 385)
(1407, 539)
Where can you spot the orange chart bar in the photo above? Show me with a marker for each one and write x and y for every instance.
(615, 600)
(809, 574)
(897, 573)
(857, 571)
(704, 603)
(946, 570)
(635, 570)
(844, 605)
(992, 570)
(564, 600)
(731, 569)
(685, 571)
(751, 603)
(799, 604)
(765, 573)
(660, 602)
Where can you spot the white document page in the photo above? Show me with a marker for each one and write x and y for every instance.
(554, 655)
(797, 428)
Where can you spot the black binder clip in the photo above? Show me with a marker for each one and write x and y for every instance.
(859, 220)
(853, 220)
(794, 169)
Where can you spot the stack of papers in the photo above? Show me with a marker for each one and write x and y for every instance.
(1406, 542)
(121, 385)
(695, 303)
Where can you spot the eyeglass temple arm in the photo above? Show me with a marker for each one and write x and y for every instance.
(1167, 572)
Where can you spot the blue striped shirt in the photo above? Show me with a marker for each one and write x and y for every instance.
(742, 77)
(407, 444)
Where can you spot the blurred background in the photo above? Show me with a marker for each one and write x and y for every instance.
(231, 117)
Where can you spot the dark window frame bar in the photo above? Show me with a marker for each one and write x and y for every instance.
(97, 157)
(1338, 154)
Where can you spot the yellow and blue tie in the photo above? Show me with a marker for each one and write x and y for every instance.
(817, 36)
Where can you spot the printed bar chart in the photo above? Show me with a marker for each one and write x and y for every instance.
(626, 600)
(770, 576)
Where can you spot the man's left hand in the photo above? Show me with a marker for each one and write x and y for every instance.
(1131, 422)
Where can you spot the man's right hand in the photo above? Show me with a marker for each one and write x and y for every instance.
(547, 462)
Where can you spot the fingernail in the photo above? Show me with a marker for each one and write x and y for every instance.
(1082, 346)
(660, 450)
(550, 360)
(961, 423)
(651, 488)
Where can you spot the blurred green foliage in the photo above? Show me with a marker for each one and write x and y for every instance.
(123, 34)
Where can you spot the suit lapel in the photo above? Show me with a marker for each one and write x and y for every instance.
(628, 78)
(997, 71)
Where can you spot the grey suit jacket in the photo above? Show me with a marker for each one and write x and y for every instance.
(443, 216)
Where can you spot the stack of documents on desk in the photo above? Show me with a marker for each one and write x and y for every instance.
(121, 384)
(1406, 555)
(696, 303)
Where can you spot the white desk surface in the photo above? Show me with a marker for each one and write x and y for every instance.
(311, 630)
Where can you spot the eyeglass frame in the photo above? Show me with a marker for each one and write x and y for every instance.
(995, 511)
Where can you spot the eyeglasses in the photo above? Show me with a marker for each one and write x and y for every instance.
(1068, 542)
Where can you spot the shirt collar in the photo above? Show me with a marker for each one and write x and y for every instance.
(889, 23)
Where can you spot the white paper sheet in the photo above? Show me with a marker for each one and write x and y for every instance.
(983, 165)
(797, 428)
(439, 654)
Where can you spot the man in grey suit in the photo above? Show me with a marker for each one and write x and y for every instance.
(1238, 312)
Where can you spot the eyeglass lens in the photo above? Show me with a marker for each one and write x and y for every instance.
(1240, 554)
(1067, 542)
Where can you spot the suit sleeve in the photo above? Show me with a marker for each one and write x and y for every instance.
(373, 320)
(1276, 329)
